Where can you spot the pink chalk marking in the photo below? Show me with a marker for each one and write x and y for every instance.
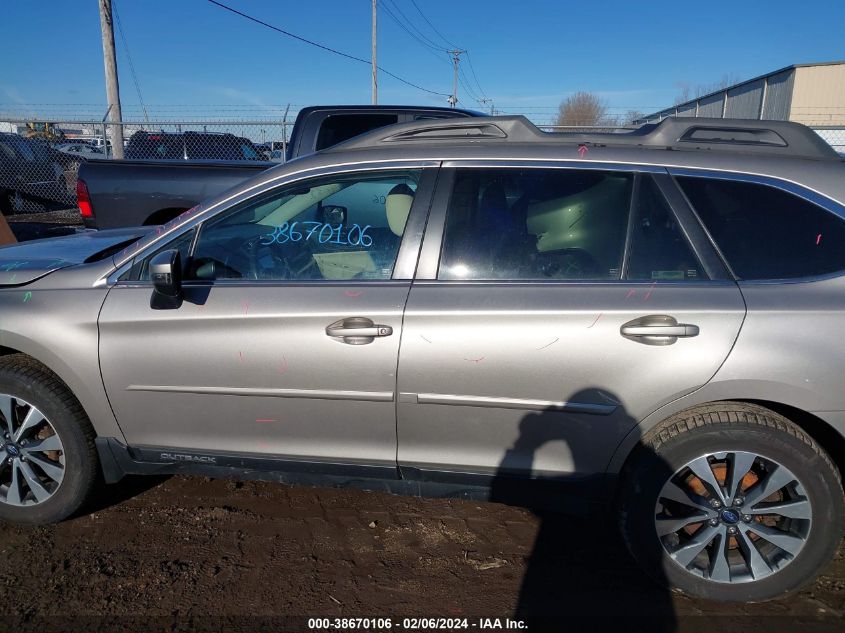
(631, 293)
(283, 366)
(818, 239)
(596, 321)
(582, 149)
(648, 294)
(246, 307)
(549, 344)
(353, 293)
(424, 338)
(241, 356)
(475, 360)
(264, 420)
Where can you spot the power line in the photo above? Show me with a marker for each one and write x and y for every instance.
(451, 46)
(428, 47)
(472, 68)
(434, 28)
(129, 58)
(466, 84)
(325, 48)
(428, 42)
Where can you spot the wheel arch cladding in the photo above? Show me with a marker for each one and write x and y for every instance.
(828, 437)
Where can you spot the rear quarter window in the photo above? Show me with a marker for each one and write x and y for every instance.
(767, 233)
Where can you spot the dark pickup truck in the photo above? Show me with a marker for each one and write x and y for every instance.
(121, 193)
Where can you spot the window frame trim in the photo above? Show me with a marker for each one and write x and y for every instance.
(429, 172)
(714, 263)
(429, 259)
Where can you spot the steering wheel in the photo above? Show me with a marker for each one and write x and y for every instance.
(282, 264)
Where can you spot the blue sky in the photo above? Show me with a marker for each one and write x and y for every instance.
(527, 55)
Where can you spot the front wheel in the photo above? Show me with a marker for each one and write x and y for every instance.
(47, 456)
(731, 502)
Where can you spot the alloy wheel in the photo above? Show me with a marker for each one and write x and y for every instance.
(732, 517)
(32, 458)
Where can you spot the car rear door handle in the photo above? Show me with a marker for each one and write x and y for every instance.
(357, 330)
(657, 329)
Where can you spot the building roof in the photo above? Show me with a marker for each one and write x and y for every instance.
(737, 85)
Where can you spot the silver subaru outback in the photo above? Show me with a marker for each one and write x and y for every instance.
(649, 323)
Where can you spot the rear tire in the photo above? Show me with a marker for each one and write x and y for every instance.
(50, 484)
(752, 550)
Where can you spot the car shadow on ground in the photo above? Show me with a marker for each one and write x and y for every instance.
(105, 495)
(579, 569)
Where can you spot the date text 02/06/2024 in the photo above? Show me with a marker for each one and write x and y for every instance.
(415, 624)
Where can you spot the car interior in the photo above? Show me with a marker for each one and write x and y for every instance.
(524, 224)
(337, 230)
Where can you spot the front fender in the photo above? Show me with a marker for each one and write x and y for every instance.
(59, 329)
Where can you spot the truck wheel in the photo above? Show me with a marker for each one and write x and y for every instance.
(48, 461)
(731, 502)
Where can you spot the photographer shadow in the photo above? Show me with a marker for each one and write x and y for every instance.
(579, 569)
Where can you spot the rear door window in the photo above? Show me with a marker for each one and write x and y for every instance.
(659, 250)
(545, 224)
(767, 233)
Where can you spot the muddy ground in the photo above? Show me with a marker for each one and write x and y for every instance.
(186, 548)
(186, 553)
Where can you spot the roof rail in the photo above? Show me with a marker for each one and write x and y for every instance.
(774, 138)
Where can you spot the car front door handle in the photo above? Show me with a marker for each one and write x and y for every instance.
(680, 330)
(657, 329)
(357, 330)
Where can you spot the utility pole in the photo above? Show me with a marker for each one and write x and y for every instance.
(485, 101)
(456, 59)
(375, 67)
(112, 88)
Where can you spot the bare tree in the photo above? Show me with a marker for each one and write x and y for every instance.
(631, 116)
(686, 91)
(584, 109)
(728, 79)
(684, 94)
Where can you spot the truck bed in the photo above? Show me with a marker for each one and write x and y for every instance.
(142, 192)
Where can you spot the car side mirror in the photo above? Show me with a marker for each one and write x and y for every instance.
(166, 275)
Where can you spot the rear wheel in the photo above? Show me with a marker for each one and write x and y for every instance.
(731, 502)
(47, 456)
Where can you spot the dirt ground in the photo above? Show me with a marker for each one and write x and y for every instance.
(188, 548)
(186, 553)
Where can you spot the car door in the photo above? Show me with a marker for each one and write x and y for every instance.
(287, 340)
(555, 306)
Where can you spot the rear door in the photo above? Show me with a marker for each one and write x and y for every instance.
(554, 307)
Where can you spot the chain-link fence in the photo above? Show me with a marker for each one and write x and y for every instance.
(834, 135)
(40, 159)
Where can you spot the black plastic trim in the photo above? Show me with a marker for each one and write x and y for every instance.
(573, 495)
(409, 249)
(695, 232)
(430, 252)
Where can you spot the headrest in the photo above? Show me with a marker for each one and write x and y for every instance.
(397, 206)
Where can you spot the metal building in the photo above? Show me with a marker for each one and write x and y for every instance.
(812, 94)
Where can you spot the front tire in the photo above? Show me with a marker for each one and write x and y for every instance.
(731, 502)
(48, 460)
